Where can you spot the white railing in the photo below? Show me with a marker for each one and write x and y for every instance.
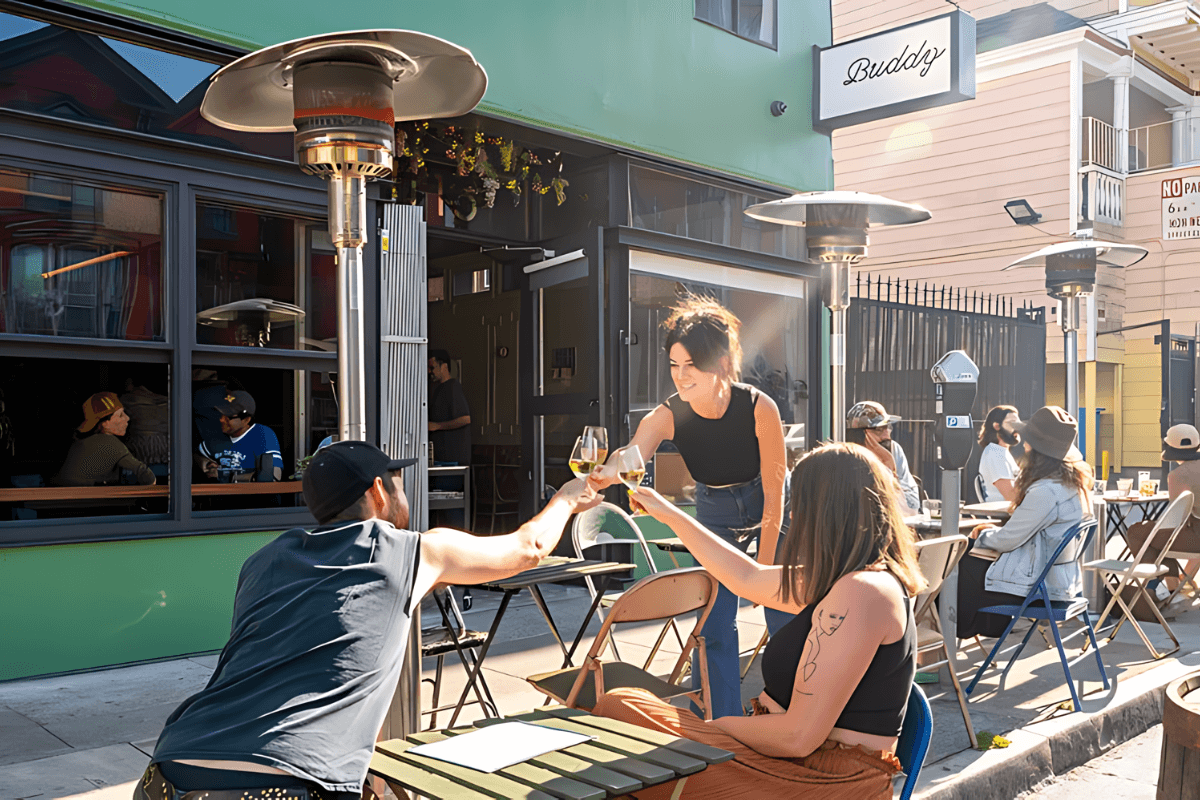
(1100, 142)
(1101, 196)
(1150, 146)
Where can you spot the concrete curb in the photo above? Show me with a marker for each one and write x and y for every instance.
(1055, 746)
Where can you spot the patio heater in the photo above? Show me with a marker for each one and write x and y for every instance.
(341, 94)
(836, 238)
(1071, 274)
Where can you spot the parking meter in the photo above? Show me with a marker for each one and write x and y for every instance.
(955, 379)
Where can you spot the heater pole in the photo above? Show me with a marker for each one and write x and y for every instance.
(347, 216)
(837, 300)
(1070, 326)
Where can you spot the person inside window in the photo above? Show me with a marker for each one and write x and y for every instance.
(242, 460)
(868, 424)
(838, 675)
(1053, 494)
(449, 431)
(97, 456)
(997, 468)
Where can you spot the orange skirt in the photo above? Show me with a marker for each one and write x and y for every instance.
(834, 771)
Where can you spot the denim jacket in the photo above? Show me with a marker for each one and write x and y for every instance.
(1030, 537)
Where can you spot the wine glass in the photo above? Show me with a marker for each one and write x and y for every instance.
(631, 468)
(598, 435)
(583, 457)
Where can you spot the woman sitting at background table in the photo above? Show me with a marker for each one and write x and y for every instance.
(1053, 490)
(97, 456)
(838, 675)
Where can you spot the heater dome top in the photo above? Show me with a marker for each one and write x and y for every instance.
(809, 208)
(430, 77)
(1109, 254)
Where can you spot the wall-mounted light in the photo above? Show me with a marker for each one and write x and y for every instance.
(1021, 212)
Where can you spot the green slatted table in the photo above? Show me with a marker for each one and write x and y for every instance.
(622, 758)
(553, 569)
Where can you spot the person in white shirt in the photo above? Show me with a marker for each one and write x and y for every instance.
(997, 468)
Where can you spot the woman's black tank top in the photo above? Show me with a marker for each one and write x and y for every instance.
(719, 452)
(878, 703)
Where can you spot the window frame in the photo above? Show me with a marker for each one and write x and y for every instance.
(183, 173)
(733, 31)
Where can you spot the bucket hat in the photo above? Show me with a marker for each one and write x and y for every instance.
(1182, 443)
(1051, 431)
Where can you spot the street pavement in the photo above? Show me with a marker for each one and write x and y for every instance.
(1127, 772)
(87, 736)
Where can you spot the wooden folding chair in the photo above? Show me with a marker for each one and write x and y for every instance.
(665, 595)
(937, 559)
(1140, 572)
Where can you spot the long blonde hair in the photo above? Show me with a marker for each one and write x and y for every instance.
(845, 518)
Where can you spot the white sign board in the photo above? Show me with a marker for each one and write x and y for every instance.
(1181, 208)
(921, 65)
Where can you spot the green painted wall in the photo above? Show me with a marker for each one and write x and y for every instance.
(640, 74)
(72, 607)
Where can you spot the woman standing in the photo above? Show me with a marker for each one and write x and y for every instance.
(731, 439)
(837, 678)
(1053, 490)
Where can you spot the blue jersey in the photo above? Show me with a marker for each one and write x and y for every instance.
(241, 454)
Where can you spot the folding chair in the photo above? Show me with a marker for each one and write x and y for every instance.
(1186, 577)
(980, 489)
(937, 558)
(449, 638)
(596, 527)
(1038, 607)
(914, 739)
(1138, 573)
(655, 597)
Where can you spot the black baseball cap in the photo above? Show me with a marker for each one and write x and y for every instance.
(236, 404)
(340, 473)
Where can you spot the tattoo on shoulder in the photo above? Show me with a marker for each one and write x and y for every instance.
(825, 625)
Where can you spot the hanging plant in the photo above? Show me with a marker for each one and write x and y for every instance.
(482, 164)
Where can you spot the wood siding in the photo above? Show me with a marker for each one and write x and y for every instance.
(854, 18)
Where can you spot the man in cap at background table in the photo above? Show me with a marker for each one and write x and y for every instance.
(242, 458)
(320, 626)
(869, 424)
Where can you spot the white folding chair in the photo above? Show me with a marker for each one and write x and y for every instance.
(1138, 574)
(596, 527)
(937, 559)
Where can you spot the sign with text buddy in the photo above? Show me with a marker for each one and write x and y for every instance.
(921, 65)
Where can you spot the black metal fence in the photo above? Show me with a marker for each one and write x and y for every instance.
(897, 330)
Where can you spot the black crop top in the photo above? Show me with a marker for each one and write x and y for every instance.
(723, 451)
(878, 703)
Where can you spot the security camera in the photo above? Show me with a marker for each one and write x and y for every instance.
(777, 108)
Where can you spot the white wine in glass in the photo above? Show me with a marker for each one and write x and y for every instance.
(631, 469)
(583, 457)
(598, 435)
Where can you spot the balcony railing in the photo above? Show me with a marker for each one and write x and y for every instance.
(1149, 147)
(1101, 196)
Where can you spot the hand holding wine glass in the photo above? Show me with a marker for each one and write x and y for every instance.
(631, 468)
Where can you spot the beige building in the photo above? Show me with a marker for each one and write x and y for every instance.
(1087, 110)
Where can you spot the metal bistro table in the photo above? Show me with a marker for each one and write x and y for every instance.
(1120, 505)
(623, 758)
(554, 569)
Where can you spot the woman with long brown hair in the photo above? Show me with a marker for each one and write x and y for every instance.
(731, 439)
(1052, 493)
(838, 675)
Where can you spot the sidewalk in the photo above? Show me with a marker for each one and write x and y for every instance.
(88, 736)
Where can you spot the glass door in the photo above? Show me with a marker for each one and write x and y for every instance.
(560, 323)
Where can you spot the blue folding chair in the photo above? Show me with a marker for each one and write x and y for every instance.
(914, 739)
(1038, 606)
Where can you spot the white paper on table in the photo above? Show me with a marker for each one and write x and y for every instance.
(498, 746)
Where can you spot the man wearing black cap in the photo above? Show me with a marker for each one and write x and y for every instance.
(242, 458)
(320, 625)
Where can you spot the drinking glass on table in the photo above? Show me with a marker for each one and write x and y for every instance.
(1099, 487)
(1124, 486)
(631, 468)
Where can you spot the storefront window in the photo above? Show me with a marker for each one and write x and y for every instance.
(79, 76)
(774, 333)
(264, 280)
(274, 419)
(750, 19)
(80, 259)
(672, 204)
(46, 458)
